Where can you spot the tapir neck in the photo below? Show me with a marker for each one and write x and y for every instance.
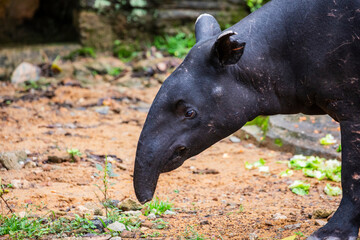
(267, 63)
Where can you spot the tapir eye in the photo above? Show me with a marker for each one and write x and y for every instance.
(190, 113)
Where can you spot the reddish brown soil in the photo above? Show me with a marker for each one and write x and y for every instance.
(210, 203)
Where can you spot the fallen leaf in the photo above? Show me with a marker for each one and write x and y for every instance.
(293, 237)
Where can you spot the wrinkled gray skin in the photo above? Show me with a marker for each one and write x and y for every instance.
(287, 57)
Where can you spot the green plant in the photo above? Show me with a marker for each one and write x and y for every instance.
(332, 191)
(81, 52)
(178, 45)
(73, 152)
(107, 172)
(155, 234)
(254, 4)
(262, 122)
(317, 167)
(114, 71)
(42, 83)
(191, 234)
(125, 51)
(286, 173)
(4, 189)
(339, 148)
(31, 85)
(278, 142)
(327, 140)
(29, 227)
(300, 187)
(160, 224)
(157, 207)
(261, 162)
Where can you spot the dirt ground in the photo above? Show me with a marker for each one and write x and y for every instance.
(229, 203)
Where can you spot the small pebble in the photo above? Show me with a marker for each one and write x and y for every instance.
(292, 226)
(234, 139)
(278, 216)
(319, 222)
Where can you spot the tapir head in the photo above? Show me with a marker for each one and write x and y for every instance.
(201, 102)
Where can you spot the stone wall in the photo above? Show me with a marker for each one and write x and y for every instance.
(96, 25)
(173, 14)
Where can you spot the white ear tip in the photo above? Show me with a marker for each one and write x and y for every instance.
(203, 15)
(228, 32)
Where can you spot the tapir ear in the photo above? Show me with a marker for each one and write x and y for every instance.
(206, 26)
(228, 49)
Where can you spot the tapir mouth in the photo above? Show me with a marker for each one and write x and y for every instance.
(177, 159)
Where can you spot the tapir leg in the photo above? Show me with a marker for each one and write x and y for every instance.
(344, 225)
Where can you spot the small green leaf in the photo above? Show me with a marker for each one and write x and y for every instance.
(339, 148)
(256, 164)
(299, 187)
(286, 173)
(327, 140)
(99, 167)
(332, 191)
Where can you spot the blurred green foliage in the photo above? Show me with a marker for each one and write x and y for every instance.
(125, 51)
(178, 45)
(81, 52)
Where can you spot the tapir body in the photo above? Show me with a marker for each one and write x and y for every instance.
(287, 57)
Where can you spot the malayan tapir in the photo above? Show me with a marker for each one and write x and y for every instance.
(290, 56)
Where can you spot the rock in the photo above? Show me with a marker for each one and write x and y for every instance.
(20, 184)
(128, 234)
(253, 236)
(204, 222)
(143, 229)
(89, 236)
(322, 213)
(46, 168)
(103, 110)
(292, 226)
(98, 223)
(152, 216)
(147, 224)
(206, 171)
(25, 72)
(82, 210)
(128, 205)
(132, 213)
(58, 159)
(296, 133)
(269, 223)
(320, 223)
(168, 212)
(162, 67)
(113, 203)
(115, 238)
(94, 30)
(329, 217)
(235, 139)
(121, 167)
(11, 160)
(30, 164)
(116, 227)
(279, 216)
